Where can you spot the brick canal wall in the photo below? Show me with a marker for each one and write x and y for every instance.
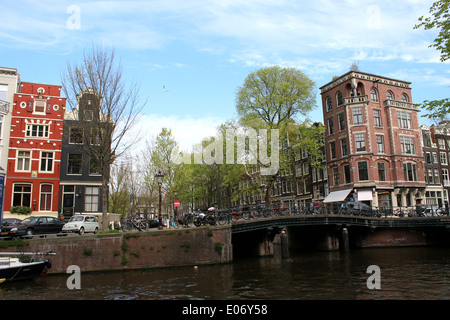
(131, 250)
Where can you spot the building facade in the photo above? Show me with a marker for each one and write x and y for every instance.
(434, 192)
(34, 155)
(81, 179)
(440, 136)
(9, 82)
(373, 141)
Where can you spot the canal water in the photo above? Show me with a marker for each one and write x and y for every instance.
(405, 273)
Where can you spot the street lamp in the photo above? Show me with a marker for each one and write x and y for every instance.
(159, 179)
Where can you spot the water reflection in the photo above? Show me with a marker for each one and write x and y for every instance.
(406, 273)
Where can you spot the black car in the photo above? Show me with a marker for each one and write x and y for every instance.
(33, 225)
(10, 221)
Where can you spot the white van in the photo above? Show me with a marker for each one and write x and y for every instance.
(82, 223)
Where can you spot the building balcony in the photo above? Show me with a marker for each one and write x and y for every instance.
(4, 106)
(357, 99)
(400, 104)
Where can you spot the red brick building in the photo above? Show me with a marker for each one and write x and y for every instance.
(35, 144)
(373, 141)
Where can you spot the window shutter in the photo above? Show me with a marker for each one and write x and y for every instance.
(30, 105)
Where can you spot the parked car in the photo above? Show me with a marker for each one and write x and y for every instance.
(82, 223)
(10, 221)
(358, 208)
(32, 226)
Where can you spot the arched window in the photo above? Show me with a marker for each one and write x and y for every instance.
(404, 98)
(329, 104)
(390, 95)
(374, 95)
(340, 100)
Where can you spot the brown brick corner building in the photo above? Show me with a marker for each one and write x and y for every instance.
(373, 141)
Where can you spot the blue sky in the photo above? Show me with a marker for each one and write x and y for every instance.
(201, 51)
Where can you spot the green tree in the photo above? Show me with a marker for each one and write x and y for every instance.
(275, 98)
(439, 19)
(271, 96)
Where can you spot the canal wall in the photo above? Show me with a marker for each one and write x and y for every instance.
(133, 250)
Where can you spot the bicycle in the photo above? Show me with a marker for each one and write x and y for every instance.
(135, 223)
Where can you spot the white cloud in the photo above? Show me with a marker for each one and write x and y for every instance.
(186, 130)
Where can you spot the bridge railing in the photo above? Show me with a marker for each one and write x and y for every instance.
(262, 211)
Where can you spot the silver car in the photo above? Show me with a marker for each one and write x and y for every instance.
(82, 223)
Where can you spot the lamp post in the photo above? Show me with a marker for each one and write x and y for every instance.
(159, 179)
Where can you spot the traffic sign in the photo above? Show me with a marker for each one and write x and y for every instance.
(176, 203)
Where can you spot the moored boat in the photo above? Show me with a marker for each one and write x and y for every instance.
(20, 268)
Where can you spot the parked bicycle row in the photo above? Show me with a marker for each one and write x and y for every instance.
(214, 216)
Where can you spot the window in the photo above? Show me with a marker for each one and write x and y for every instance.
(330, 126)
(333, 150)
(445, 177)
(344, 147)
(23, 160)
(39, 106)
(340, 100)
(347, 174)
(404, 120)
(390, 95)
(88, 115)
(443, 158)
(381, 171)
(404, 98)
(91, 202)
(94, 167)
(380, 144)
(357, 115)
(329, 104)
(435, 157)
(377, 118)
(95, 137)
(74, 163)
(46, 161)
(341, 119)
(362, 171)
(360, 142)
(436, 176)
(37, 130)
(22, 195)
(374, 95)
(336, 176)
(430, 176)
(1, 125)
(298, 170)
(305, 168)
(409, 170)
(75, 135)
(441, 143)
(407, 145)
(428, 157)
(46, 197)
(3, 91)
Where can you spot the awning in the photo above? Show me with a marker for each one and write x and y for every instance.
(337, 196)
(365, 195)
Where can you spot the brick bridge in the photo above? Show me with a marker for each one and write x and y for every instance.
(263, 236)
